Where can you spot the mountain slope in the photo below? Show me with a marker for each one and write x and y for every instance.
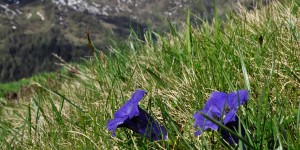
(30, 34)
(254, 50)
(31, 30)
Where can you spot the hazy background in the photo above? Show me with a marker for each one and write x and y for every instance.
(32, 30)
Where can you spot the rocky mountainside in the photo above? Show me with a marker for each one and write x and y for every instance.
(32, 30)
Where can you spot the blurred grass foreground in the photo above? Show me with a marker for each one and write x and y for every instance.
(256, 50)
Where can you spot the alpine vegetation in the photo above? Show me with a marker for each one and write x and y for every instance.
(221, 107)
(256, 50)
(131, 116)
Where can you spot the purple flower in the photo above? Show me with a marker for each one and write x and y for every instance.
(234, 126)
(131, 116)
(222, 107)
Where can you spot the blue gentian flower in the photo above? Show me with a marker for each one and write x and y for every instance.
(221, 107)
(234, 126)
(131, 116)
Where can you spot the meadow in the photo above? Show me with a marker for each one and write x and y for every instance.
(255, 50)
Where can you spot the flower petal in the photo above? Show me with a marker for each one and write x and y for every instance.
(203, 123)
(148, 126)
(237, 97)
(211, 107)
(227, 136)
(130, 108)
(143, 124)
(138, 96)
(229, 117)
(198, 132)
(217, 99)
(113, 124)
(219, 104)
(128, 123)
(232, 139)
(123, 111)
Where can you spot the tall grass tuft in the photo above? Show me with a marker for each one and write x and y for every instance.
(256, 50)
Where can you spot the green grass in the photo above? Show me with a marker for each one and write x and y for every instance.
(16, 86)
(11, 87)
(255, 50)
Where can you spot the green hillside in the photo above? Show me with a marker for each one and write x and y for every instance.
(255, 50)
